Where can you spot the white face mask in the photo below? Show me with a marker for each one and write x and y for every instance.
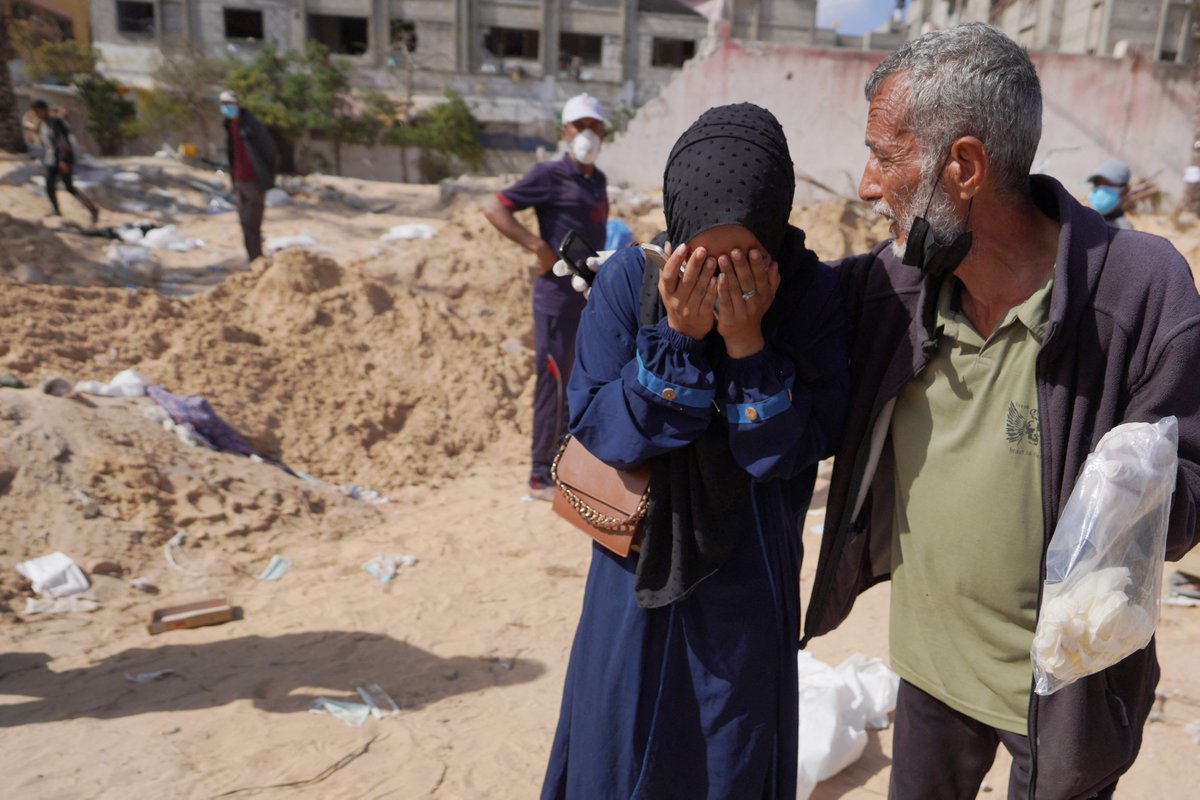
(585, 147)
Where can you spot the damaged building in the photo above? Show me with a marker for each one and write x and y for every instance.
(1161, 30)
(513, 60)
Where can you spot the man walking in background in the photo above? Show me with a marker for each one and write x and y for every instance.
(252, 159)
(58, 157)
(568, 194)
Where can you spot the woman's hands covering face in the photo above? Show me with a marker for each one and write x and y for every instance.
(745, 284)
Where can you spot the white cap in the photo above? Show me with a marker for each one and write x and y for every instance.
(582, 106)
(228, 97)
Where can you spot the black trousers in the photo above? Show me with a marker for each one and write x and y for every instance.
(941, 754)
(53, 176)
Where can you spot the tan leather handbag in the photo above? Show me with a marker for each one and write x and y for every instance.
(606, 503)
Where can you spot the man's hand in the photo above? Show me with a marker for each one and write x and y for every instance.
(746, 288)
(689, 294)
(64, 167)
(545, 256)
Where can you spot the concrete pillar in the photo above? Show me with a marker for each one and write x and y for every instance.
(1103, 46)
(379, 33)
(299, 25)
(466, 36)
(628, 14)
(551, 24)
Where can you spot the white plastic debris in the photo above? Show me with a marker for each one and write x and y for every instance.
(149, 677)
(276, 197)
(185, 433)
(170, 238)
(1192, 729)
(54, 575)
(381, 703)
(128, 254)
(126, 383)
(837, 708)
(385, 567)
(404, 233)
(276, 243)
(219, 205)
(127, 177)
(350, 713)
(60, 605)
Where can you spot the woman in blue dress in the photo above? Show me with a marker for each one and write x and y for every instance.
(725, 371)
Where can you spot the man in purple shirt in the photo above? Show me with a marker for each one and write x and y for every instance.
(568, 194)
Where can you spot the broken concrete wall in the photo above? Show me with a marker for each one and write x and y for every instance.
(1095, 108)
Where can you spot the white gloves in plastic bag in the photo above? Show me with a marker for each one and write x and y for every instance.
(1100, 601)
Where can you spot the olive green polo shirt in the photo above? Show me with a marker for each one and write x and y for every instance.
(968, 535)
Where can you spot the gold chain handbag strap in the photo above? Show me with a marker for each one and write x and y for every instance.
(592, 516)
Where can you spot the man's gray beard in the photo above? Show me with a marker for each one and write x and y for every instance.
(944, 223)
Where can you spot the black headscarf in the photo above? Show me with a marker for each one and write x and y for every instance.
(731, 167)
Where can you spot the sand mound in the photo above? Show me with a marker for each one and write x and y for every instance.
(96, 479)
(34, 254)
(321, 365)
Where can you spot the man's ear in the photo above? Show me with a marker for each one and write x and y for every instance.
(969, 167)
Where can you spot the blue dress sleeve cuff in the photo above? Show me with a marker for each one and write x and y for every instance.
(671, 367)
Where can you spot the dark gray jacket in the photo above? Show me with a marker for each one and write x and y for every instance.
(1122, 345)
(259, 144)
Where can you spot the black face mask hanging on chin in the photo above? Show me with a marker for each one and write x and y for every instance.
(923, 251)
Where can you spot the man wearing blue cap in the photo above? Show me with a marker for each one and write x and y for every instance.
(1110, 185)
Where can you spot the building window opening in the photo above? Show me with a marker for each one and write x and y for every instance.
(671, 52)
(511, 42)
(345, 36)
(136, 18)
(242, 23)
(404, 35)
(579, 48)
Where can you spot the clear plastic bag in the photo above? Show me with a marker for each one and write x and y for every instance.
(1100, 601)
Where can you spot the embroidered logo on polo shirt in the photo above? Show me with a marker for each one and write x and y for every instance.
(1023, 429)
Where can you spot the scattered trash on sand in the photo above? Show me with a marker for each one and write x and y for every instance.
(60, 605)
(405, 233)
(277, 243)
(126, 383)
(276, 568)
(372, 496)
(350, 713)
(276, 197)
(376, 703)
(381, 703)
(384, 568)
(54, 575)
(191, 615)
(149, 677)
(1192, 729)
(170, 548)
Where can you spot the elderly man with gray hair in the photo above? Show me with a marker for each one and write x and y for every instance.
(1002, 333)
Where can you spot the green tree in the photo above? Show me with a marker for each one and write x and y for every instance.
(110, 115)
(48, 57)
(186, 88)
(260, 87)
(447, 135)
(11, 139)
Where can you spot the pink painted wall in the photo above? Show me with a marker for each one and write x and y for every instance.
(1095, 108)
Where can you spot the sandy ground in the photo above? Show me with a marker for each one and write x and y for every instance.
(471, 640)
